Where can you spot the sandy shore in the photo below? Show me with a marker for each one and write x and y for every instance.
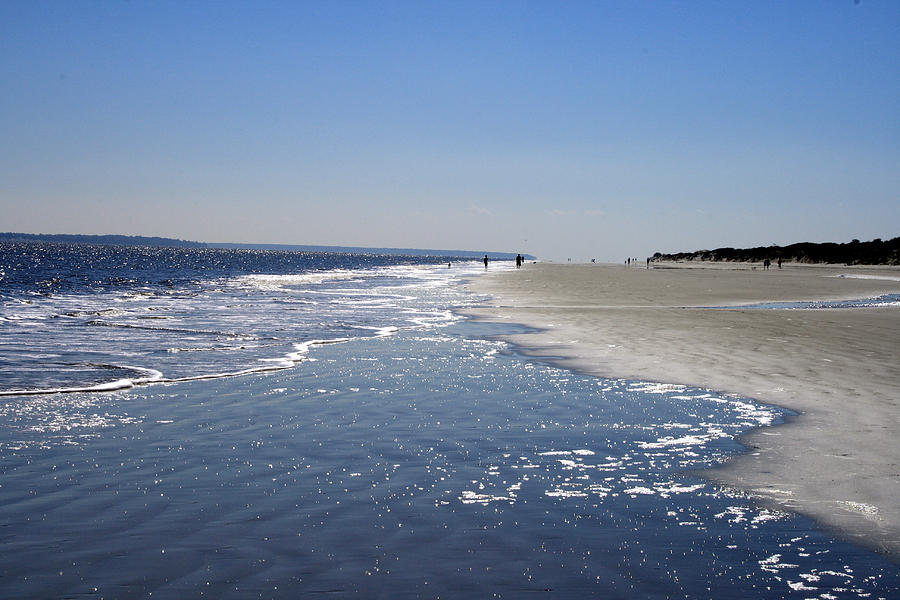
(838, 461)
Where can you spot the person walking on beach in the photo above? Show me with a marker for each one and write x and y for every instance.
(485, 261)
(518, 261)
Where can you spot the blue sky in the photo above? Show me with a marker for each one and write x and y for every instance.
(563, 129)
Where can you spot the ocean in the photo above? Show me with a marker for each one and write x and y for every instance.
(245, 424)
(106, 317)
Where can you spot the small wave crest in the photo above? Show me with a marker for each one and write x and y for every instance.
(99, 323)
(149, 376)
(152, 376)
(268, 282)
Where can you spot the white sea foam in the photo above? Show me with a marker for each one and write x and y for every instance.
(153, 376)
(866, 276)
(687, 440)
(119, 384)
(244, 324)
(647, 387)
(870, 511)
(381, 331)
(280, 282)
(150, 376)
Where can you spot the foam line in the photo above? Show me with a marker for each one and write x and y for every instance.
(112, 386)
(862, 276)
(153, 376)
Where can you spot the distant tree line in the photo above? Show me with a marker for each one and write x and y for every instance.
(876, 252)
(109, 240)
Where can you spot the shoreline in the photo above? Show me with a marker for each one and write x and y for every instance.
(837, 461)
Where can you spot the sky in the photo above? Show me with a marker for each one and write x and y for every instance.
(567, 130)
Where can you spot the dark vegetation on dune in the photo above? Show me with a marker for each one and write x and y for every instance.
(876, 252)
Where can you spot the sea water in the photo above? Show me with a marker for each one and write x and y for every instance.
(882, 301)
(102, 317)
(421, 457)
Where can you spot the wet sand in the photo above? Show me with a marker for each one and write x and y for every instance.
(838, 461)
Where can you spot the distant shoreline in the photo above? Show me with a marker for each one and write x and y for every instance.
(109, 240)
(136, 240)
(875, 252)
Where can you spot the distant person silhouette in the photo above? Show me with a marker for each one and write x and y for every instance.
(485, 261)
(519, 261)
(779, 262)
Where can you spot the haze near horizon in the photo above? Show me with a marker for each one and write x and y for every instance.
(578, 130)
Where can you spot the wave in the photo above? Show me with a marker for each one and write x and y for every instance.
(176, 349)
(224, 329)
(280, 282)
(112, 386)
(152, 376)
(105, 312)
(380, 331)
(98, 323)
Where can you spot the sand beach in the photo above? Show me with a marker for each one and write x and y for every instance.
(837, 461)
